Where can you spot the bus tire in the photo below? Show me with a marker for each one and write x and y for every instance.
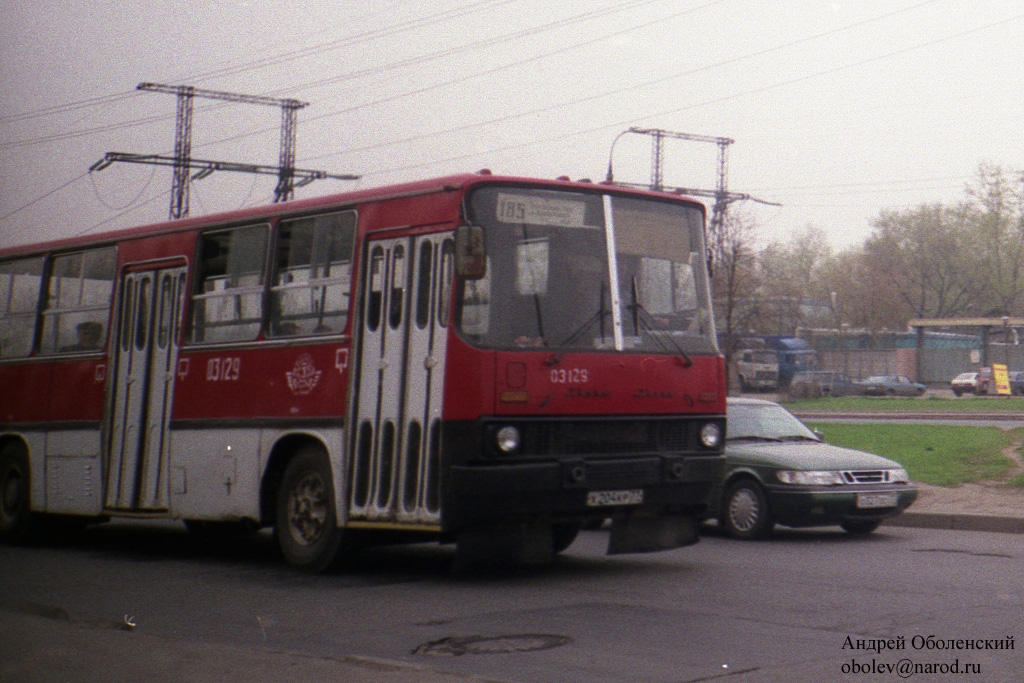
(16, 519)
(307, 530)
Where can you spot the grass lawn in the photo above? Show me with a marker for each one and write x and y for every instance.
(934, 454)
(860, 404)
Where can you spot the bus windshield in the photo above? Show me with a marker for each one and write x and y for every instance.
(586, 271)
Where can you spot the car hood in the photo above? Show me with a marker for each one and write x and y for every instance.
(803, 455)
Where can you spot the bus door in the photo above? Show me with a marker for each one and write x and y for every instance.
(400, 373)
(145, 355)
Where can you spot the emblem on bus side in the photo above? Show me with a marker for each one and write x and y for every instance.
(304, 377)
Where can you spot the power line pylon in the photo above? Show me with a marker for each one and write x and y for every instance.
(721, 194)
(183, 163)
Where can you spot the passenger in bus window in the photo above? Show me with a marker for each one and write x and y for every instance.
(90, 334)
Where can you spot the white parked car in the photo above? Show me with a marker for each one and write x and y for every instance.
(964, 383)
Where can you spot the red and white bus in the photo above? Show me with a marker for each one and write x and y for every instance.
(491, 361)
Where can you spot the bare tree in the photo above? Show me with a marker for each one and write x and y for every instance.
(734, 281)
(922, 257)
(996, 202)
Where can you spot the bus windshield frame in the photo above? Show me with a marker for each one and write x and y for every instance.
(571, 270)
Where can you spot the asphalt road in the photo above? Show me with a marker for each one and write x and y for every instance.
(145, 602)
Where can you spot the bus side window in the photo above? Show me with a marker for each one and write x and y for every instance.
(312, 275)
(425, 268)
(444, 297)
(228, 302)
(79, 291)
(19, 299)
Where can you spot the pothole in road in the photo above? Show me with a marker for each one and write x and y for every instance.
(453, 646)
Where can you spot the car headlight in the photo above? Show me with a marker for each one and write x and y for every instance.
(810, 477)
(899, 476)
(710, 434)
(507, 439)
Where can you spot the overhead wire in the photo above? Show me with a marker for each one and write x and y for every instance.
(237, 69)
(716, 100)
(603, 94)
(478, 74)
(330, 45)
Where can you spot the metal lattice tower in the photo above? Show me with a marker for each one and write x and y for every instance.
(182, 152)
(289, 116)
(183, 163)
(721, 195)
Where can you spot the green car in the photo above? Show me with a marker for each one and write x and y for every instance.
(781, 472)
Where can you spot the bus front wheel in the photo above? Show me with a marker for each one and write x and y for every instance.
(15, 495)
(307, 530)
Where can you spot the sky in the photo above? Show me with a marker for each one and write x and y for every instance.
(838, 109)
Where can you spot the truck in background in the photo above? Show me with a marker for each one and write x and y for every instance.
(757, 369)
(794, 355)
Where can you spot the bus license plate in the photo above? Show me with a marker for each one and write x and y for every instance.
(876, 500)
(603, 498)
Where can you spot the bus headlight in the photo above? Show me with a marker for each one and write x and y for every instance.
(710, 435)
(508, 439)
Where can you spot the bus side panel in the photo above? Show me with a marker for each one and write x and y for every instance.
(24, 395)
(432, 209)
(284, 382)
(215, 473)
(74, 482)
(26, 392)
(471, 372)
(81, 392)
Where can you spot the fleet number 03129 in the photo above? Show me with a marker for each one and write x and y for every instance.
(569, 376)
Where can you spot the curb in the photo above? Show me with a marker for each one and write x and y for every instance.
(958, 521)
(909, 415)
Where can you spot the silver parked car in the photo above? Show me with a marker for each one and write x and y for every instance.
(890, 385)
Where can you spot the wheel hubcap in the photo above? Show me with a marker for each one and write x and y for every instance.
(307, 509)
(744, 510)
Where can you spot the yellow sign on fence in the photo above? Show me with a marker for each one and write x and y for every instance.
(1002, 379)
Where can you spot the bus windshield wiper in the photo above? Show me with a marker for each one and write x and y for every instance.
(599, 316)
(642, 320)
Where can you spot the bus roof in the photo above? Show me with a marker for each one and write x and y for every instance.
(452, 183)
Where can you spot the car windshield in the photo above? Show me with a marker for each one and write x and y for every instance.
(765, 422)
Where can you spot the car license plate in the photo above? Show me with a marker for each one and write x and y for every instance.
(876, 500)
(603, 498)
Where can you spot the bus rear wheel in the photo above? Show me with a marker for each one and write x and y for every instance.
(307, 529)
(16, 519)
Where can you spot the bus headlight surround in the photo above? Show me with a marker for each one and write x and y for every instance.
(508, 439)
(710, 435)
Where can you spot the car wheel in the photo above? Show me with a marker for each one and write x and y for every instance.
(745, 513)
(957, 392)
(860, 527)
(306, 530)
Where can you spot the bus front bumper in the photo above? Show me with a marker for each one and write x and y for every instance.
(652, 500)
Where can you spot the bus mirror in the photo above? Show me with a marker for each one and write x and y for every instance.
(470, 256)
